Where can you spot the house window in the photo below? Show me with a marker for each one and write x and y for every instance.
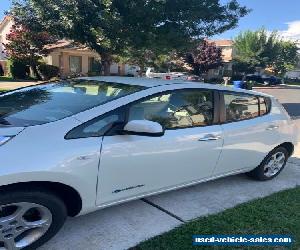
(75, 64)
(94, 65)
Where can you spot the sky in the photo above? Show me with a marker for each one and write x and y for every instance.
(280, 15)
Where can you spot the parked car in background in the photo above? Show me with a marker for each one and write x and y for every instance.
(273, 80)
(127, 70)
(183, 76)
(293, 75)
(132, 71)
(71, 147)
(264, 80)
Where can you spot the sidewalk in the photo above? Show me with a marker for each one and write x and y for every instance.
(15, 85)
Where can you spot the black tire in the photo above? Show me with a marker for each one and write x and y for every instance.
(259, 172)
(44, 198)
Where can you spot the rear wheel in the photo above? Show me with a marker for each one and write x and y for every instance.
(29, 219)
(271, 166)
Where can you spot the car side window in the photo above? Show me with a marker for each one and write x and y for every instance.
(240, 107)
(99, 126)
(176, 109)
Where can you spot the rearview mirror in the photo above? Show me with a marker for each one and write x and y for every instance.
(144, 128)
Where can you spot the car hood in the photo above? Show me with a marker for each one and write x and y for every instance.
(10, 131)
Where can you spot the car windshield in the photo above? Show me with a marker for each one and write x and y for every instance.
(54, 101)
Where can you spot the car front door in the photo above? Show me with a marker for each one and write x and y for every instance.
(133, 165)
(249, 132)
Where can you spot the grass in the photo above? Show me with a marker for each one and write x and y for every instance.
(276, 214)
(293, 83)
(10, 79)
(6, 79)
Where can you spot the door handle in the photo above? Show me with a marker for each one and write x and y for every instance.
(272, 127)
(210, 138)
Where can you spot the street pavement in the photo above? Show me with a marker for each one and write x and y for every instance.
(15, 85)
(124, 226)
(289, 96)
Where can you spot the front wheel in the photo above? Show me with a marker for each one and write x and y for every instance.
(29, 219)
(271, 166)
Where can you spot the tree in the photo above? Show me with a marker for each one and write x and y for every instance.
(27, 47)
(205, 57)
(241, 68)
(287, 58)
(266, 50)
(115, 27)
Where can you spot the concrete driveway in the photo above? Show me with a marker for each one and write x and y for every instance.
(124, 226)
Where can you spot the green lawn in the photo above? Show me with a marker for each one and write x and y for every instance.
(6, 79)
(276, 214)
(293, 83)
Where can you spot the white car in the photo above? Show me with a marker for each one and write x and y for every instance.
(173, 76)
(71, 147)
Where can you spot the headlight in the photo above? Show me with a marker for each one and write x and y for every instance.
(4, 139)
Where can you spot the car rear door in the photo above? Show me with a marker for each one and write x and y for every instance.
(132, 165)
(249, 130)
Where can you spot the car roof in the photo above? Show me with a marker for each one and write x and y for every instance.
(152, 82)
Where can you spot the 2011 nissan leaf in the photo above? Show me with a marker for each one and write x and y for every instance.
(75, 146)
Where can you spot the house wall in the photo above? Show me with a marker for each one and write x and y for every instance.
(4, 66)
(61, 58)
(227, 53)
(4, 31)
(227, 56)
(114, 69)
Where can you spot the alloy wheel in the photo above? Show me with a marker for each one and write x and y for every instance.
(23, 223)
(274, 164)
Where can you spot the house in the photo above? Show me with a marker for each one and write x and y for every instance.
(5, 27)
(227, 56)
(72, 58)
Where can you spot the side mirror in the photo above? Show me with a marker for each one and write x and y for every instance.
(144, 128)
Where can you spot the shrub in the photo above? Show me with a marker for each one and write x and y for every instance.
(1, 70)
(93, 73)
(214, 80)
(19, 69)
(48, 71)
